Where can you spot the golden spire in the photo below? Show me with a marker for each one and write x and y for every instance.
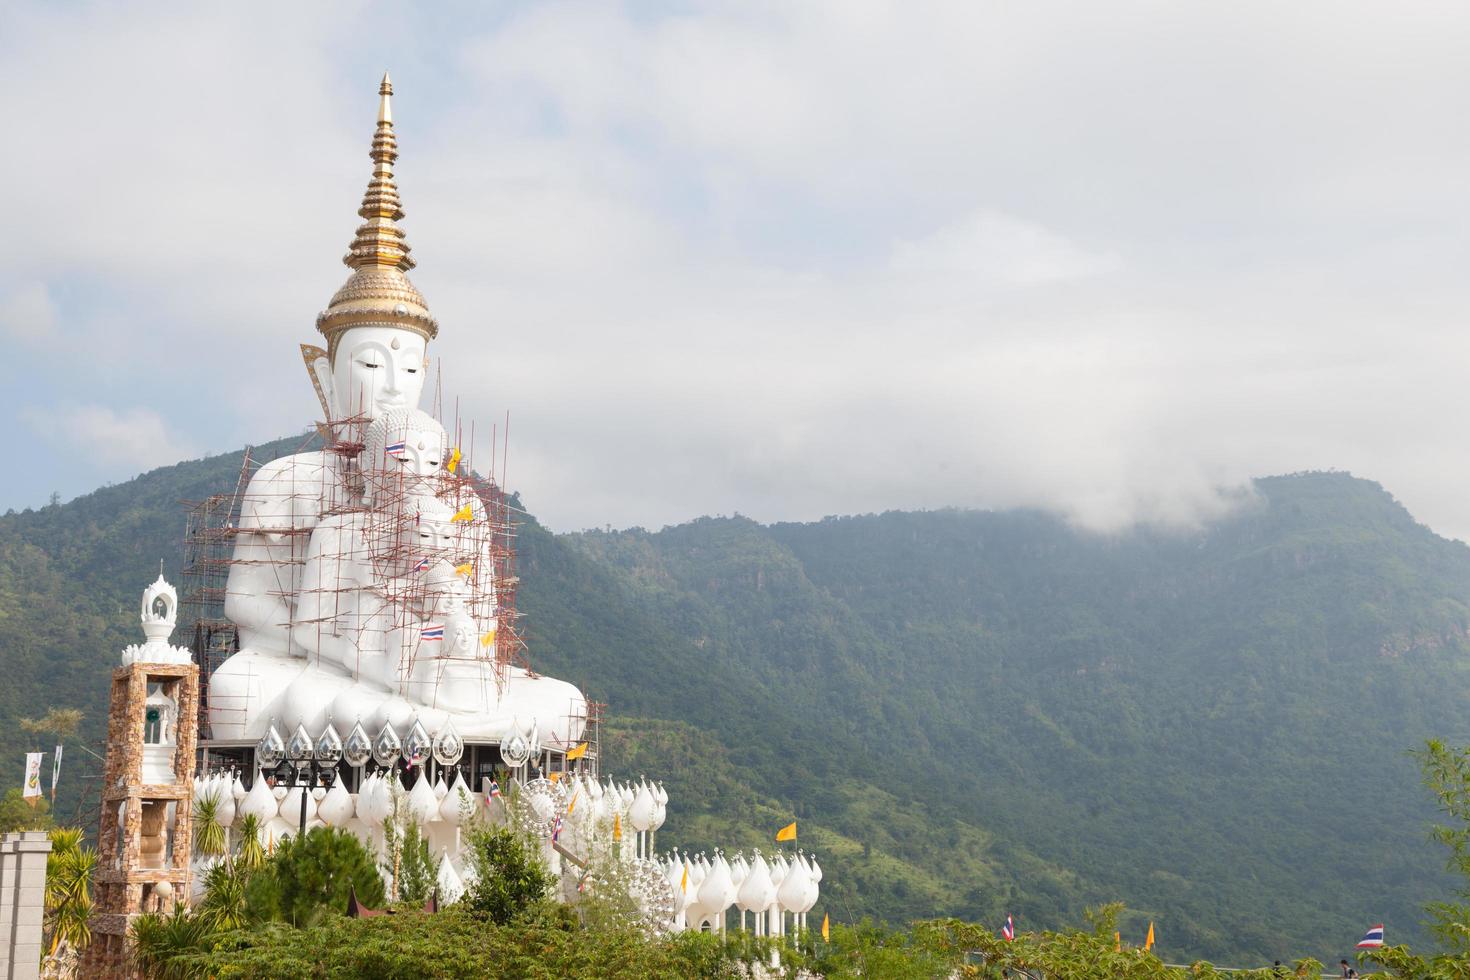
(379, 241)
(378, 293)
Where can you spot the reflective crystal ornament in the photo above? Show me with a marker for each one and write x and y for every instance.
(329, 747)
(299, 748)
(387, 746)
(270, 750)
(515, 751)
(418, 744)
(359, 748)
(448, 747)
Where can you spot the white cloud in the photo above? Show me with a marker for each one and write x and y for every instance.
(784, 258)
(128, 441)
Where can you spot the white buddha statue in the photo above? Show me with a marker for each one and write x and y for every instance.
(363, 581)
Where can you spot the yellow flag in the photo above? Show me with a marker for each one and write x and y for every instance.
(617, 827)
(578, 752)
(826, 924)
(684, 885)
(465, 513)
(787, 832)
(1117, 942)
(573, 804)
(1149, 942)
(487, 638)
(454, 458)
(555, 777)
(467, 569)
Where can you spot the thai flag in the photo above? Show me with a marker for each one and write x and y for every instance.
(494, 790)
(433, 633)
(556, 830)
(423, 563)
(395, 449)
(1008, 931)
(1372, 939)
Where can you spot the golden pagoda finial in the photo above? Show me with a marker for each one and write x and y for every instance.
(378, 292)
(380, 242)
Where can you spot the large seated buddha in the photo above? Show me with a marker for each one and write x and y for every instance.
(364, 580)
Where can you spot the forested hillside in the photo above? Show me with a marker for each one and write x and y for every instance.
(971, 713)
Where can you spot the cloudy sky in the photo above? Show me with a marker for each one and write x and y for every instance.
(787, 259)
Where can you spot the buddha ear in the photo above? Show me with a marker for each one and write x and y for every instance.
(320, 370)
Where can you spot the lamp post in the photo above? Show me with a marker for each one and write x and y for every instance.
(309, 762)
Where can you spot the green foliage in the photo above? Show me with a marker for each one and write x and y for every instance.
(17, 814)
(313, 875)
(69, 869)
(249, 852)
(974, 713)
(418, 870)
(224, 905)
(507, 871)
(166, 947)
(209, 835)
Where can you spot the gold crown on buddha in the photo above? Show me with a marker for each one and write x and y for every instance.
(378, 293)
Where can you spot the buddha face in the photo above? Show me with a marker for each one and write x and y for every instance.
(375, 369)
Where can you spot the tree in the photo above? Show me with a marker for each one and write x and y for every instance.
(309, 875)
(508, 873)
(69, 869)
(17, 813)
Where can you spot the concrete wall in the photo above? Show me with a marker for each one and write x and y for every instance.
(22, 902)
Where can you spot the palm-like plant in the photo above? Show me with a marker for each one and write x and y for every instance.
(209, 836)
(223, 905)
(250, 855)
(69, 869)
(161, 944)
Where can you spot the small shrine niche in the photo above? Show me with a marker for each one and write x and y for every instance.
(160, 730)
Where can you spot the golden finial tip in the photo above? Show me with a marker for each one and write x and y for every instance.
(385, 103)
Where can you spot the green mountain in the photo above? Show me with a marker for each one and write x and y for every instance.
(969, 713)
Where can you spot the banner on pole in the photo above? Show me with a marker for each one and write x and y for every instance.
(55, 771)
(33, 774)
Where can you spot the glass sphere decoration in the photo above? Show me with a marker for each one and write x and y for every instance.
(448, 746)
(386, 747)
(270, 750)
(328, 749)
(298, 750)
(417, 746)
(358, 748)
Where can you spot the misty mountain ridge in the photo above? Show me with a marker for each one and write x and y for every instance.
(971, 712)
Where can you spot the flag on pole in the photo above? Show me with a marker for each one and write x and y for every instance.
(421, 564)
(1008, 931)
(787, 832)
(684, 883)
(573, 804)
(395, 449)
(1117, 942)
(555, 777)
(578, 752)
(1149, 942)
(556, 830)
(487, 638)
(465, 514)
(1372, 939)
(467, 569)
(826, 925)
(454, 458)
(55, 772)
(33, 774)
(617, 827)
(494, 791)
(433, 632)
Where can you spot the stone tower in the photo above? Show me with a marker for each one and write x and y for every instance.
(147, 793)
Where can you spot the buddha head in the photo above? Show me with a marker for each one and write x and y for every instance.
(378, 325)
(402, 447)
